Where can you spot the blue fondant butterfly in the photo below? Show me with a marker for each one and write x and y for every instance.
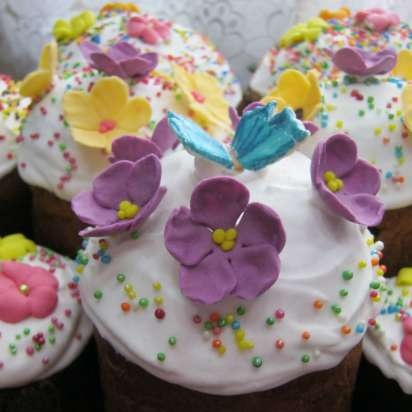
(261, 138)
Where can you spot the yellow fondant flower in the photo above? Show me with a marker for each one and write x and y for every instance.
(407, 105)
(309, 31)
(67, 30)
(129, 7)
(15, 246)
(403, 66)
(204, 98)
(298, 91)
(38, 82)
(404, 277)
(104, 114)
(338, 14)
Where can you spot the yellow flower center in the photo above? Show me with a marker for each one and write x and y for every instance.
(107, 126)
(127, 210)
(198, 96)
(24, 289)
(225, 239)
(332, 182)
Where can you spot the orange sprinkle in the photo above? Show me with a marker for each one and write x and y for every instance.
(306, 335)
(375, 261)
(318, 304)
(345, 330)
(125, 306)
(394, 347)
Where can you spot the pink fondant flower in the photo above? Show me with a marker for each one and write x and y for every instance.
(148, 29)
(406, 345)
(347, 184)
(122, 197)
(225, 246)
(26, 291)
(122, 60)
(377, 19)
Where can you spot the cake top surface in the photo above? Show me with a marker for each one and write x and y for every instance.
(388, 343)
(195, 262)
(13, 109)
(123, 62)
(42, 325)
(311, 45)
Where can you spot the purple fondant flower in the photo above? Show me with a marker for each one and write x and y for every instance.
(219, 253)
(348, 185)
(122, 198)
(360, 62)
(134, 148)
(121, 60)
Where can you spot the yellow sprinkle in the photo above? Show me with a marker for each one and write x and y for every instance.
(221, 349)
(362, 264)
(157, 286)
(405, 291)
(80, 269)
(377, 131)
(339, 124)
(240, 335)
(245, 345)
(158, 300)
(379, 272)
(398, 316)
(229, 318)
(370, 241)
(330, 107)
(392, 127)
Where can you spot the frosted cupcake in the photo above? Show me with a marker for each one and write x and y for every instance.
(14, 195)
(43, 330)
(367, 102)
(388, 348)
(311, 45)
(193, 269)
(111, 76)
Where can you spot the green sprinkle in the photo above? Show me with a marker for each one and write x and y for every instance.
(241, 310)
(13, 348)
(37, 347)
(172, 341)
(257, 361)
(305, 358)
(347, 275)
(52, 340)
(270, 321)
(208, 325)
(135, 235)
(120, 277)
(62, 147)
(143, 302)
(161, 356)
(18, 337)
(51, 329)
(361, 113)
(375, 285)
(26, 331)
(336, 309)
(222, 323)
(343, 293)
(98, 294)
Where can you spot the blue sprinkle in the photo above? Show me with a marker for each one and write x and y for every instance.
(360, 328)
(388, 175)
(106, 259)
(235, 325)
(76, 279)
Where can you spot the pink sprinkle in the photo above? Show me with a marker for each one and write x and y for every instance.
(280, 314)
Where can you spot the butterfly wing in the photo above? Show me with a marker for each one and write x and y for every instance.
(263, 137)
(197, 141)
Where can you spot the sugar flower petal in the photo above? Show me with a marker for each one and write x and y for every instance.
(362, 179)
(209, 281)
(357, 61)
(218, 203)
(109, 187)
(144, 180)
(261, 225)
(257, 269)
(15, 246)
(186, 240)
(163, 136)
(403, 66)
(133, 148)
(135, 114)
(406, 99)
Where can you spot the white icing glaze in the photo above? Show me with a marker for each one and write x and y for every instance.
(21, 368)
(319, 247)
(381, 140)
(377, 343)
(48, 147)
(9, 124)
(307, 55)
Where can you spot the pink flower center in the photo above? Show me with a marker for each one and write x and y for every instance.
(198, 96)
(24, 289)
(107, 125)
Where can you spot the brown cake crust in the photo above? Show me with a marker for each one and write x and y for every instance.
(54, 223)
(75, 389)
(15, 205)
(127, 387)
(395, 231)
